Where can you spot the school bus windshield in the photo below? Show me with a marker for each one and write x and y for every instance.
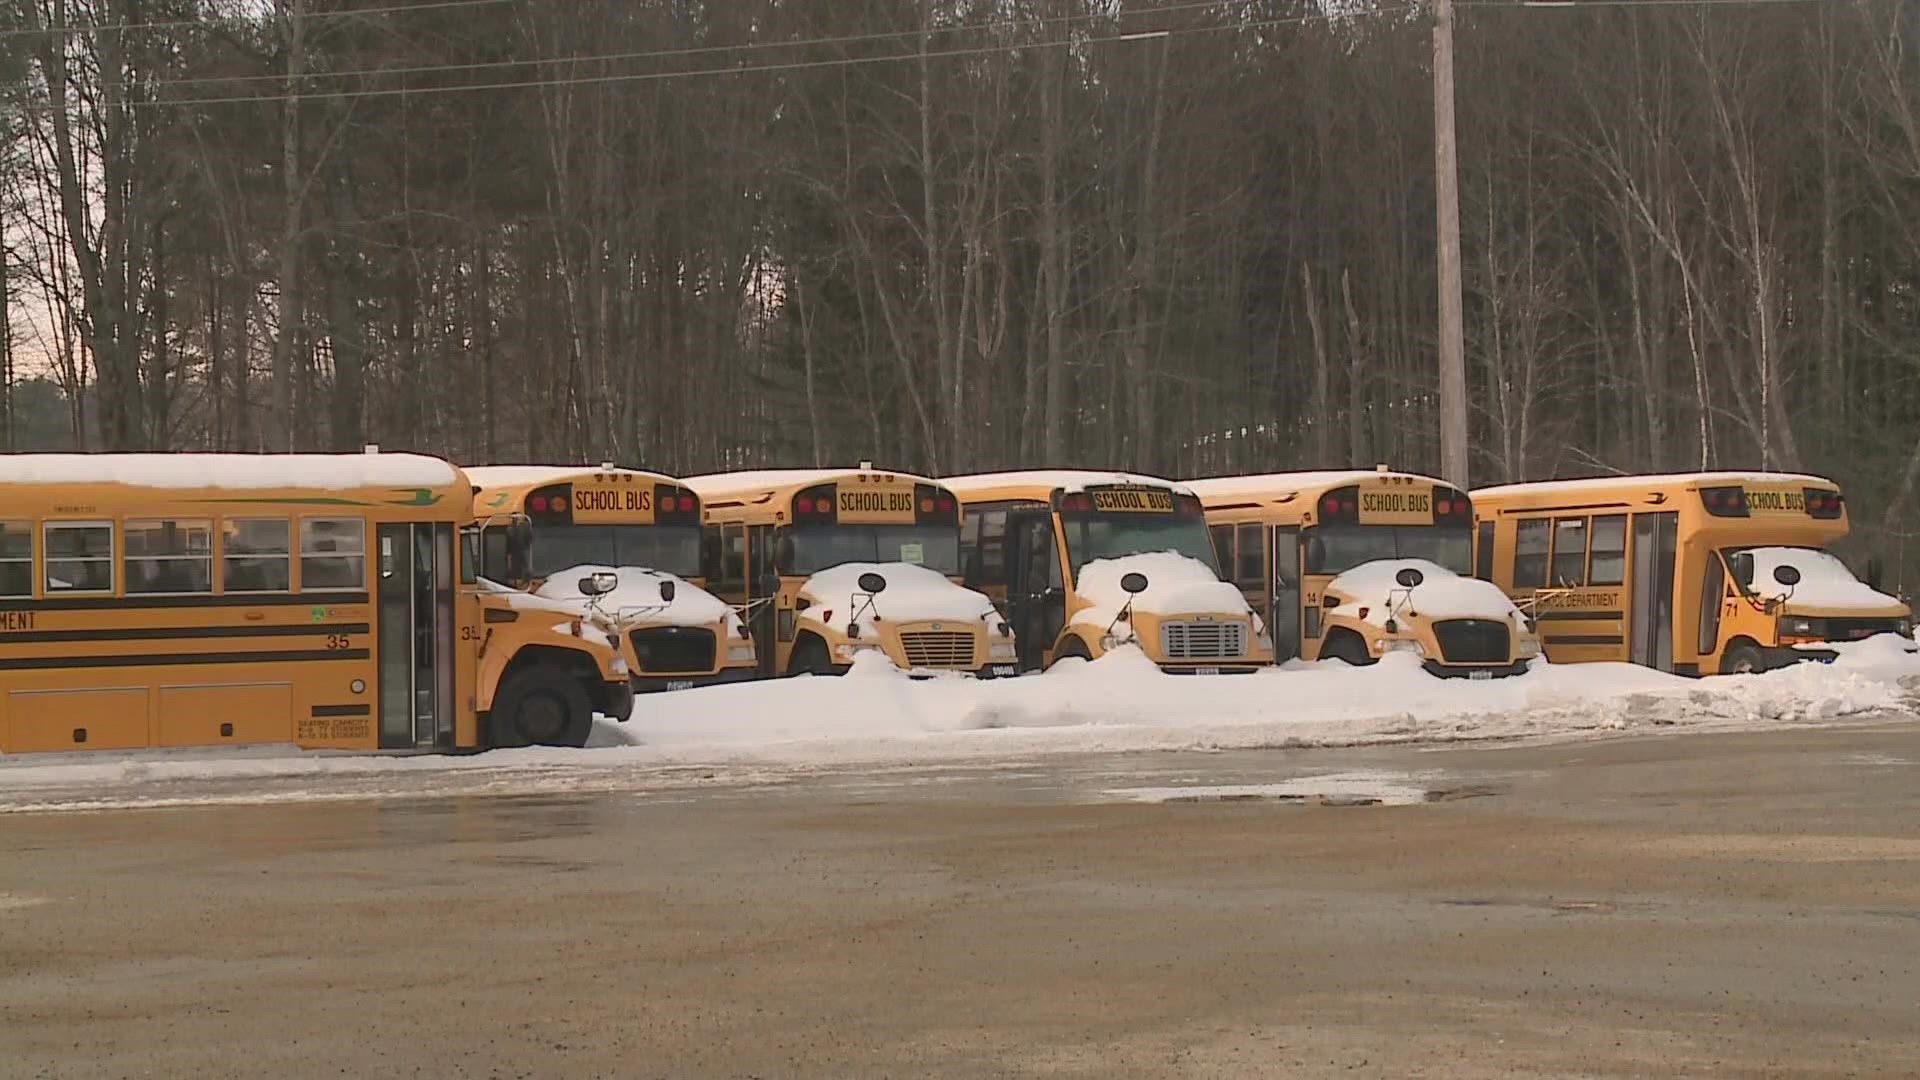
(1337, 548)
(1099, 535)
(822, 547)
(672, 548)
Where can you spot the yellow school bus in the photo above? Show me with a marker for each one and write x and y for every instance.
(1354, 565)
(1086, 561)
(326, 601)
(835, 562)
(643, 526)
(1697, 573)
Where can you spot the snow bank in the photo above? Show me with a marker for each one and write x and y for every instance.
(333, 472)
(1441, 594)
(639, 596)
(913, 593)
(1825, 581)
(1122, 702)
(1176, 585)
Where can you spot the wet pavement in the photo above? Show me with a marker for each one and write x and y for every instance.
(1714, 904)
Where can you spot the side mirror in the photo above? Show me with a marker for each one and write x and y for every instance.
(1786, 575)
(667, 589)
(519, 549)
(1874, 572)
(1409, 578)
(1316, 554)
(599, 584)
(871, 582)
(767, 585)
(1133, 584)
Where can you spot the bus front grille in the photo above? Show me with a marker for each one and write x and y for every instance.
(1473, 641)
(939, 649)
(673, 650)
(1203, 640)
(1854, 629)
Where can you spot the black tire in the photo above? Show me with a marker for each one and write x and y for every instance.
(810, 658)
(1346, 645)
(540, 706)
(1742, 659)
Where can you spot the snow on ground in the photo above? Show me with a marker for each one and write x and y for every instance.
(877, 717)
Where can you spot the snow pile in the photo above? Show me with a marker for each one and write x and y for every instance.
(1441, 594)
(1176, 585)
(913, 594)
(334, 472)
(1825, 581)
(639, 596)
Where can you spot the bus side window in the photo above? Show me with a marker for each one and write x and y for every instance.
(1608, 563)
(993, 547)
(1483, 553)
(1250, 571)
(79, 556)
(1530, 554)
(1569, 552)
(16, 558)
(1223, 543)
(710, 567)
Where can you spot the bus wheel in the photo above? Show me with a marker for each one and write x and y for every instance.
(1742, 659)
(541, 707)
(810, 658)
(1346, 645)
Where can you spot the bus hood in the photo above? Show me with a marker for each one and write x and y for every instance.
(637, 599)
(1441, 594)
(1176, 585)
(913, 594)
(1826, 586)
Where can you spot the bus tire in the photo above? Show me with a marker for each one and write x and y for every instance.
(1346, 645)
(1742, 658)
(540, 706)
(810, 658)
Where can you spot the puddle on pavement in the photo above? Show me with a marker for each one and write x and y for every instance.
(1327, 789)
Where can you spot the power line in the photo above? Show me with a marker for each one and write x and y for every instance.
(697, 50)
(178, 24)
(747, 69)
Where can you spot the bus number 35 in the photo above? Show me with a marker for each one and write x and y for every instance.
(336, 642)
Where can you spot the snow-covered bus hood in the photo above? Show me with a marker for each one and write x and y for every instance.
(1176, 585)
(637, 599)
(1826, 586)
(1441, 594)
(913, 594)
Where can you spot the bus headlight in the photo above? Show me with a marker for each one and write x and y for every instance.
(619, 666)
(1797, 627)
(740, 654)
(1906, 627)
(1002, 652)
(1393, 645)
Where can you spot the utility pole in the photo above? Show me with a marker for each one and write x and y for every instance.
(1453, 358)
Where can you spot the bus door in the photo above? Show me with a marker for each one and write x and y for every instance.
(1650, 629)
(766, 626)
(1283, 618)
(415, 597)
(1036, 598)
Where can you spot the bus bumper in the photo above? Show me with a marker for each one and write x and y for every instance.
(1473, 671)
(616, 701)
(658, 684)
(1233, 668)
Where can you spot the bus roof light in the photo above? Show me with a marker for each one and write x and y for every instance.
(946, 506)
(537, 504)
(926, 506)
(1330, 505)
(559, 503)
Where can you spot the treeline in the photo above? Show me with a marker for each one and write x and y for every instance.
(1179, 236)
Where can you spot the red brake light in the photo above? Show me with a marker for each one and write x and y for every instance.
(537, 504)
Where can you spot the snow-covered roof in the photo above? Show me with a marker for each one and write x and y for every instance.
(243, 472)
(1607, 483)
(495, 476)
(1274, 485)
(711, 484)
(1050, 479)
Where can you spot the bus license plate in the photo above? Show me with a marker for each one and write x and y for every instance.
(679, 684)
(1480, 674)
(1206, 671)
